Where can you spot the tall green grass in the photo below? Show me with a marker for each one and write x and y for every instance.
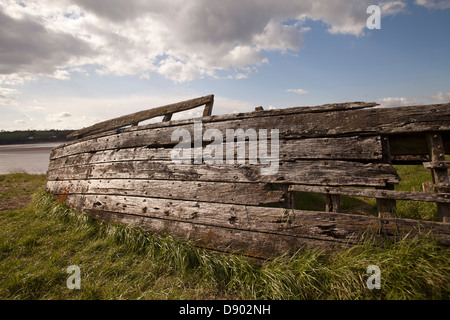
(39, 242)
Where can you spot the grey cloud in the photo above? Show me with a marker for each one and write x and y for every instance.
(29, 47)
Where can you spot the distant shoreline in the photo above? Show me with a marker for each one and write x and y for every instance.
(34, 136)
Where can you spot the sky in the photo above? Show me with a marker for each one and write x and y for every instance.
(68, 64)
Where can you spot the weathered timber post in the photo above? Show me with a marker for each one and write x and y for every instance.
(208, 107)
(333, 203)
(439, 172)
(289, 197)
(386, 207)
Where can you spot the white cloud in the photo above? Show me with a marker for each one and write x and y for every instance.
(392, 7)
(397, 101)
(441, 97)
(8, 96)
(434, 4)
(181, 40)
(299, 91)
(58, 117)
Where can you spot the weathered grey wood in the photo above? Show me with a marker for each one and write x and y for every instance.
(333, 203)
(251, 243)
(241, 116)
(377, 193)
(141, 116)
(304, 226)
(366, 121)
(167, 117)
(439, 175)
(325, 172)
(234, 193)
(386, 207)
(437, 165)
(289, 197)
(345, 148)
(208, 108)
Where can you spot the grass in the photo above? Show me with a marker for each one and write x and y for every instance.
(39, 241)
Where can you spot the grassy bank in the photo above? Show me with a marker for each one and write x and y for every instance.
(39, 241)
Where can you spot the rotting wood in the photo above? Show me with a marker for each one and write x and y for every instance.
(394, 120)
(234, 193)
(375, 193)
(386, 207)
(137, 117)
(439, 174)
(305, 226)
(344, 148)
(126, 175)
(326, 172)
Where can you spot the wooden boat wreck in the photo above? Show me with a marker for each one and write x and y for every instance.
(118, 170)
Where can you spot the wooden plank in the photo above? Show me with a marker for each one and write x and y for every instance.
(227, 223)
(333, 203)
(437, 165)
(208, 108)
(250, 243)
(368, 121)
(137, 117)
(377, 193)
(234, 193)
(439, 175)
(386, 207)
(344, 148)
(325, 172)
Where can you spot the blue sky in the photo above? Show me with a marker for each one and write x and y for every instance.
(69, 64)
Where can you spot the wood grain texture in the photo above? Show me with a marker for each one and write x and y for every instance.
(343, 148)
(326, 172)
(135, 118)
(294, 228)
(235, 193)
(367, 121)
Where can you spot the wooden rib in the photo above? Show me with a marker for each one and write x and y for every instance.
(137, 117)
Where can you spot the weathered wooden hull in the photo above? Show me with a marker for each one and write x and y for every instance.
(128, 176)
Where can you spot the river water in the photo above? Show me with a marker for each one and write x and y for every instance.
(26, 158)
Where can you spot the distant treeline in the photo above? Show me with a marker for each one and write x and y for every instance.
(33, 136)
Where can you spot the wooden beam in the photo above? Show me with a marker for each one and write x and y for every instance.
(208, 108)
(141, 116)
(314, 172)
(234, 193)
(377, 193)
(343, 148)
(439, 174)
(259, 230)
